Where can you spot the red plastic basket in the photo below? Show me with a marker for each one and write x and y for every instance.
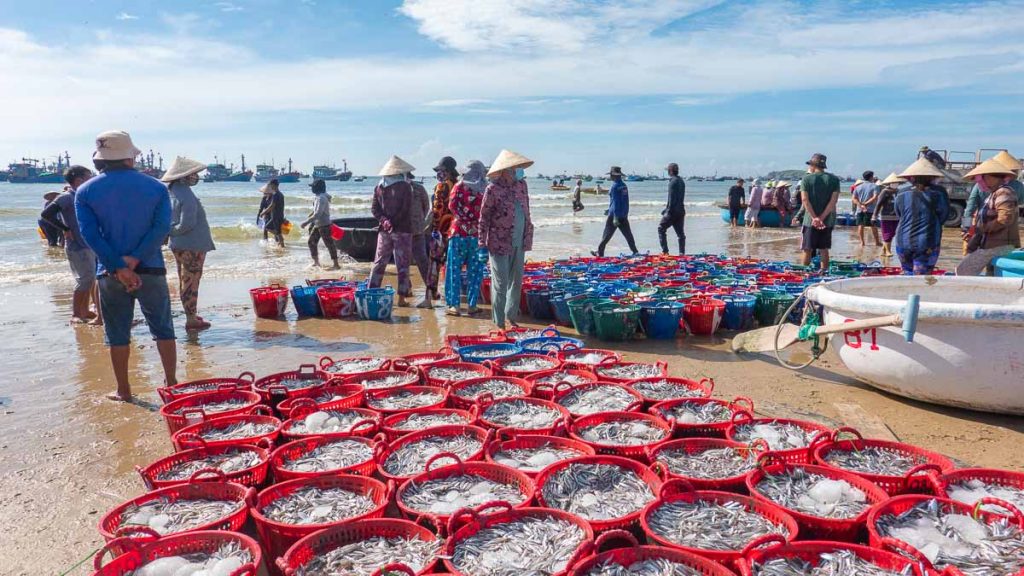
(375, 399)
(703, 430)
(915, 481)
(1001, 477)
(269, 301)
(329, 397)
(297, 448)
(815, 527)
(326, 540)
(189, 410)
(110, 524)
(271, 392)
(521, 332)
(252, 476)
(370, 380)
(493, 472)
(544, 382)
(142, 551)
(519, 441)
(392, 432)
(367, 425)
(703, 315)
(558, 427)
(562, 391)
(430, 358)
(383, 449)
(192, 436)
(460, 400)
(456, 341)
(811, 551)
(574, 359)
(505, 366)
(635, 553)
(277, 537)
(682, 491)
(360, 365)
(602, 369)
(736, 484)
(791, 456)
(337, 301)
(169, 394)
(645, 474)
(479, 369)
(637, 452)
(698, 388)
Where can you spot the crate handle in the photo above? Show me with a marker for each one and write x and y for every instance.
(929, 468)
(848, 430)
(218, 475)
(324, 362)
(442, 455)
(484, 401)
(393, 567)
(742, 403)
(455, 521)
(761, 541)
(123, 531)
(741, 417)
(302, 407)
(708, 384)
(260, 410)
(247, 569)
(185, 438)
(660, 468)
(145, 479)
(676, 486)
(247, 376)
(891, 544)
(1014, 513)
(613, 535)
(356, 428)
(123, 541)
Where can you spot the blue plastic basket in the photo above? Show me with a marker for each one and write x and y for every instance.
(306, 302)
(739, 311)
(478, 353)
(661, 319)
(547, 344)
(375, 303)
(538, 302)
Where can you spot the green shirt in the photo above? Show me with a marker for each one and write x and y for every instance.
(820, 187)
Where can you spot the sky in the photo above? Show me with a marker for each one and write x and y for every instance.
(737, 87)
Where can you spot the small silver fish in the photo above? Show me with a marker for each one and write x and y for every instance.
(596, 491)
(520, 414)
(215, 407)
(495, 387)
(649, 567)
(418, 421)
(838, 563)
(355, 365)
(445, 496)
(167, 516)
(624, 433)
(403, 399)
(665, 390)
(223, 560)
(629, 370)
(335, 455)
(813, 494)
(712, 464)
(594, 399)
(236, 431)
(710, 525)
(364, 557)
(228, 462)
(313, 505)
(874, 460)
(534, 459)
(410, 459)
(537, 545)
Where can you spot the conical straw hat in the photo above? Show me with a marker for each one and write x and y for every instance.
(396, 166)
(182, 167)
(893, 179)
(507, 159)
(1007, 159)
(990, 166)
(921, 167)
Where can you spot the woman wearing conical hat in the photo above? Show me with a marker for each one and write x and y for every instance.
(506, 232)
(922, 209)
(391, 200)
(994, 231)
(885, 211)
(978, 196)
(190, 237)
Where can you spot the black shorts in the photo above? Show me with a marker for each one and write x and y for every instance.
(815, 239)
(734, 212)
(864, 219)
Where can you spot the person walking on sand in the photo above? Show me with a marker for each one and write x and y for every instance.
(506, 233)
(447, 176)
(463, 245)
(421, 216)
(885, 212)
(124, 216)
(190, 237)
(819, 192)
(618, 213)
(736, 196)
(865, 196)
(577, 196)
(61, 215)
(922, 207)
(319, 224)
(391, 200)
(995, 231)
(674, 214)
(753, 214)
(272, 211)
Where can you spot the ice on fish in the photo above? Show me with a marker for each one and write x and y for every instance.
(970, 491)
(533, 545)
(355, 365)
(521, 414)
(417, 421)
(624, 433)
(335, 455)
(665, 390)
(814, 494)
(534, 459)
(713, 464)
(166, 516)
(228, 462)
(404, 400)
(327, 422)
(696, 412)
(874, 460)
(837, 563)
(710, 525)
(779, 436)
(221, 562)
(364, 557)
(313, 505)
(411, 458)
(596, 491)
(445, 496)
(556, 377)
(595, 399)
(589, 358)
(649, 567)
(495, 387)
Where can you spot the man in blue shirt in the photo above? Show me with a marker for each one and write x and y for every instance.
(864, 197)
(124, 216)
(618, 213)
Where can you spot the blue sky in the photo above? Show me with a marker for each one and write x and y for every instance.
(742, 86)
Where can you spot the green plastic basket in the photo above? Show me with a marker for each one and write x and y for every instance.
(582, 315)
(616, 322)
(771, 306)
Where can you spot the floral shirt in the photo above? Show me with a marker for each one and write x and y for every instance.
(465, 206)
(442, 214)
(498, 215)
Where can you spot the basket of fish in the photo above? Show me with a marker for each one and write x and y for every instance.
(556, 344)
(531, 453)
(607, 491)
(308, 421)
(498, 540)
(290, 510)
(525, 364)
(329, 397)
(169, 394)
(241, 464)
(895, 467)
(397, 425)
(626, 434)
(465, 394)
(636, 560)
(826, 558)
(283, 385)
(384, 379)
(544, 382)
(661, 388)
(480, 353)
(252, 429)
(520, 333)
(960, 539)
(407, 456)
(446, 374)
(596, 397)
(317, 456)
(362, 547)
(587, 358)
(438, 493)
(424, 359)
(456, 341)
(789, 440)
(969, 485)
(206, 405)
(345, 367)
(701, 417)
(215, 553)
(827, 503)
(397, 400)
(620, 372)
(707, 463)
(715, 525)
(195, 505)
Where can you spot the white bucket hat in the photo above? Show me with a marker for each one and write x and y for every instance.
(181, 168)
(396, 166)
(921, 167)
(507, 159)
(115, 145)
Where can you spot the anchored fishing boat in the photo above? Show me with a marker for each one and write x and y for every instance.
(325, 172)
(217, 172)
(32, 171)
(267, 172)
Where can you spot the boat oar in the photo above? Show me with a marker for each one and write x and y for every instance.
(776, 337)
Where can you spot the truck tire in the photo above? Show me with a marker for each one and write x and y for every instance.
(956, 214)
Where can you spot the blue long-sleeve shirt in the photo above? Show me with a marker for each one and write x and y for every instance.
(618, 200)
(921, 217)
(124, 213)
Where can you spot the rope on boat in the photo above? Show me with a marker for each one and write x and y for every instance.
(811, 321)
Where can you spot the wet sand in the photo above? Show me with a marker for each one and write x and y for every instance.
(68, 455)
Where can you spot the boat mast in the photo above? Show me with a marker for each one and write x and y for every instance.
(289, 165)
(243, 162)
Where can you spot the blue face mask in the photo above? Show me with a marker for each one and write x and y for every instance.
(520, 175)
(389, 180)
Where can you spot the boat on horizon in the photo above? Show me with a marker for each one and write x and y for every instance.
(33, 171)
(358, 178)
(329, 172)
(267, 172)
(217, 172)
(151, 165)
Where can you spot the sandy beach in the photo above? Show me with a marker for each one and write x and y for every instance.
(68, 455)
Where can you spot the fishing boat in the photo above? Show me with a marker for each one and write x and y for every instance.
(359, 237)
(768, 217)
(595, 191)
(217, 172)
(290, 175)
(559, 187)
(33, 171)
(3, 176)
(151, 165)
(267, 172)
(965, 351)
(359, 178)
(634, 178)
(326, 172)
(242, 175)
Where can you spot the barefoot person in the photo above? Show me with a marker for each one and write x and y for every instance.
(319, 224)
(271, 212)
(618, 213)
(463, 246)
(391, 200)
(885, 212)
(674, 214)
(447, 177)
(190, 237)
(752, 218)
(865, 195)
(124, 216)
(736, 197)
(922, 208)
(421, 217)
(819, 192)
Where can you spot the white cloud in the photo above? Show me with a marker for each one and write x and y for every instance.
(228, 7)
(126, 16)
(456, 102)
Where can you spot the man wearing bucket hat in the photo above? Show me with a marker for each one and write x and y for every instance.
(922, 207)
(190, 237)
(618, 213)
(124, 216)
(391, 199)
(819, 192)
(995, 231)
